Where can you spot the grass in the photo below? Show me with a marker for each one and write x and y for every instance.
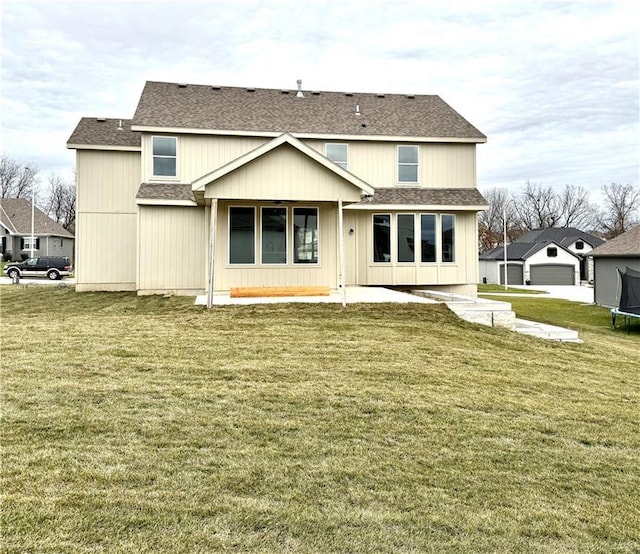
(483, 289)
(150, 425)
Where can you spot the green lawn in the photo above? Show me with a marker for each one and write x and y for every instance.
(150, 425)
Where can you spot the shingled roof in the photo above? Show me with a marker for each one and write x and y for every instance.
(15, 216)
(102, 131)
(624, 245)
(317, 113)
(562, 235)
(427, 197)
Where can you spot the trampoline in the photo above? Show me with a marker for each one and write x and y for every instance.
(629, 305)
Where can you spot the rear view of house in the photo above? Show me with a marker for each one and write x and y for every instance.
(210, 188)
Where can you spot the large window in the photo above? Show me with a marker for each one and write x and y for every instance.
(435, 235)
(448, 238)
(274, 235)
(242, 236)
(382, 238)
(164, 156)
(337, 153)
(428, 237)
(406, 237)
(407, 164)
(305, 235)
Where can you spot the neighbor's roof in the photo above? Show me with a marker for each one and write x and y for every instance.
(625, 245)
(519, 250)
(15, 216)
(271, 111)
(102, 131)
(564, 236)
(452, 198)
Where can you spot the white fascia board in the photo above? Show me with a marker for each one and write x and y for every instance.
(200, 183)
(416, 207)
(316, 136)
(104, 147)
(163, 202)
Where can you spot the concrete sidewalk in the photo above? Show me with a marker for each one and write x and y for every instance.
(575, 293)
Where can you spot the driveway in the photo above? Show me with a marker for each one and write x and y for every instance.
(576, 293)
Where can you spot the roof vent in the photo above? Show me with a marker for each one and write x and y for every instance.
(284, 91)
(357, 109)
(316, 93)
(251, 90)
(101, 119)
(348, 93)
(380, 95)
(120, 128)
(299, 94)
(215, 88)
(412, 96)
(182, 85)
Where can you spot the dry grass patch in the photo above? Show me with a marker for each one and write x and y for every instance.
(151, 425)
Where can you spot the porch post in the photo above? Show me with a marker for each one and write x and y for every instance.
(213, 218)
(341, 279)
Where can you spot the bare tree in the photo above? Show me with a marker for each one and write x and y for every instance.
(17, 180)
(61, 202)
(491, 221)
(575, 208)
(620, 213)
(537, 207)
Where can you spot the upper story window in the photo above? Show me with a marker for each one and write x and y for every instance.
(337, 153)
(407, 164)
(164, 156)
(579, 245)
(552, 252)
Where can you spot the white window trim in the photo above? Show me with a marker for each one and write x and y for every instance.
(255, 235)
(164, 177)
(292, 230)
(415, 233)
(398, 163)
(286, 236)
(391, 240)
(437, 233)
(439, 250)
(346, 145)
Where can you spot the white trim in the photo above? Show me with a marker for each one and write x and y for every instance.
(293, 239)
(255, 235)
(346, 145)
(388, 262)
(416, 228)
(416, 207)
(71, 146)
(287, 256)
(154, 156)
(398, 162)
(319, 136)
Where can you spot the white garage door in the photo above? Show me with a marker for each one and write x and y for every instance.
(552, 274)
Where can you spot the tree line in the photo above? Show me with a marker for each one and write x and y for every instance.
(56, 198)
(539, 207)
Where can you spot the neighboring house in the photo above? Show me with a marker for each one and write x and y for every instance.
(50, 238)
(619, 252)
(554, 256)
(210, 188)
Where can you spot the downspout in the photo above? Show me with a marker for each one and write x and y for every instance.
(213, 217)
(341, 279)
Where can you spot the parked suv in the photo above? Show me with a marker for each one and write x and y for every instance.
(51, 267)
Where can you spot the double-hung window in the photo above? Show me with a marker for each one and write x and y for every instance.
(407, 164)
(164, 156)
(337, 153)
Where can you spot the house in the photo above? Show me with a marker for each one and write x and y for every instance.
(209, 188)
(553, 256)
(50, 238)
(619, 252)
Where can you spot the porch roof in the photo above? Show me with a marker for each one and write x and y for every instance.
(163, 194)
(423, 198)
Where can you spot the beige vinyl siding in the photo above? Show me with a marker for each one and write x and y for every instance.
(173, 250)
(283, 174)
(227, 276)
(198, 155)
(440, 165)
(463, 271)
(105, 251)
(106, 219)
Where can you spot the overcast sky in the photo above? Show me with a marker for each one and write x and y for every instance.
(553, 84)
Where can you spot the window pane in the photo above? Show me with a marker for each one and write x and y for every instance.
(406, 238)
(428, 237)
(274, 235)
(305, 235)
(448, 238)
(408, 173)
(164, 166)
(337, 153)
(164, 146)
(242, 242)
(382, 238)
(408, 154)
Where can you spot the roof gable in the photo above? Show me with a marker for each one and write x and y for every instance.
(235, 109)
(201, 183)
(520, 250)
(15, 216)
(564, 236)
(102, 131)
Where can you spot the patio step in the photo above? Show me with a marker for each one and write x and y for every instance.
(545, 331)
